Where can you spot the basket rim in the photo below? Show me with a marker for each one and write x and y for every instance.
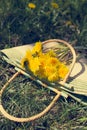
(58, 93)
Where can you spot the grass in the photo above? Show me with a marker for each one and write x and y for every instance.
(21, 25)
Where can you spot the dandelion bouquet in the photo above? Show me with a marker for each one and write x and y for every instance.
(44, 65)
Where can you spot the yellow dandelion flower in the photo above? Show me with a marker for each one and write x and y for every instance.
(23, 61)
(41, 73)
(51, 53)
(34, 64)
(42, 59)
(49, 70)
(37, 48)
(53, 77)
(27, 57)
(54, 5)
(53, 61)
(32, 5)
(63, 70)
(28, 54)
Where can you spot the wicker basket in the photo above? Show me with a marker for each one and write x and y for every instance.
(49, 44)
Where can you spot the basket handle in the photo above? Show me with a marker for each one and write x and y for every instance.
(16, 119)
(73, 54)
